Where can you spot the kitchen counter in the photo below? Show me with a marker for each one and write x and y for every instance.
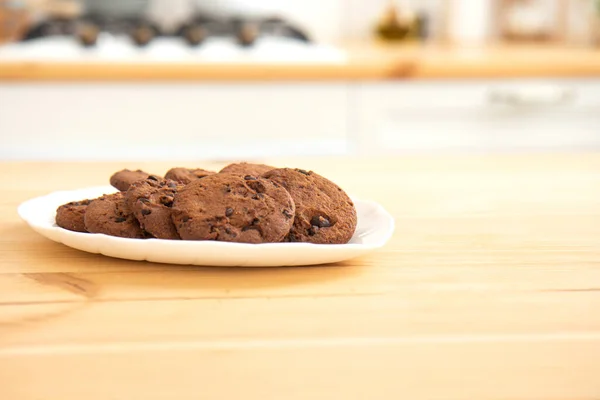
(370, 62)
(489, 289)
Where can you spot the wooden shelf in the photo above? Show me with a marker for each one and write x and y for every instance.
(365, 62)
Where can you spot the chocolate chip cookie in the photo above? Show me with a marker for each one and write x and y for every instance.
(186, 175)
(110, 215)
(151, 201)
(122, 179)
(324, 212)
(231, 208)
(70, 216)
(244, 169)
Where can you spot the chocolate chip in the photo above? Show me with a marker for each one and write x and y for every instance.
(320, 222)
(249, 227)
(153, 178)
(292, 238)
(258, 196)
(120, 219)
(185, 219)
(227, 189)
(228, 212)
(253, 225)
(166, 201)
(228, 231)
(287, 213)
(312, 231)
(172, 185)
(303, 171)
(145, 211)
(144, 200)
(257, 186)
(249, 178)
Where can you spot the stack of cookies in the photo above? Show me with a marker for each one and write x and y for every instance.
(244, 202)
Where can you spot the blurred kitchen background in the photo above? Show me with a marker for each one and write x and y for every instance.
(231, 79)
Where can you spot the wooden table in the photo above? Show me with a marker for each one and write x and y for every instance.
(489, 289)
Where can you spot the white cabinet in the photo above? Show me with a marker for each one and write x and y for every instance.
(256, 120)
(477, 115)
(171, 121)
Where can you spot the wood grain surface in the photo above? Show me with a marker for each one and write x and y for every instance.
(489, 289)
(366, 62)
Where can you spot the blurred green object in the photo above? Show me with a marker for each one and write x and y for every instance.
(13, 4)
(117, 8)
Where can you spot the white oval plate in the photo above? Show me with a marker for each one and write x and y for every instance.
(375, 227)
